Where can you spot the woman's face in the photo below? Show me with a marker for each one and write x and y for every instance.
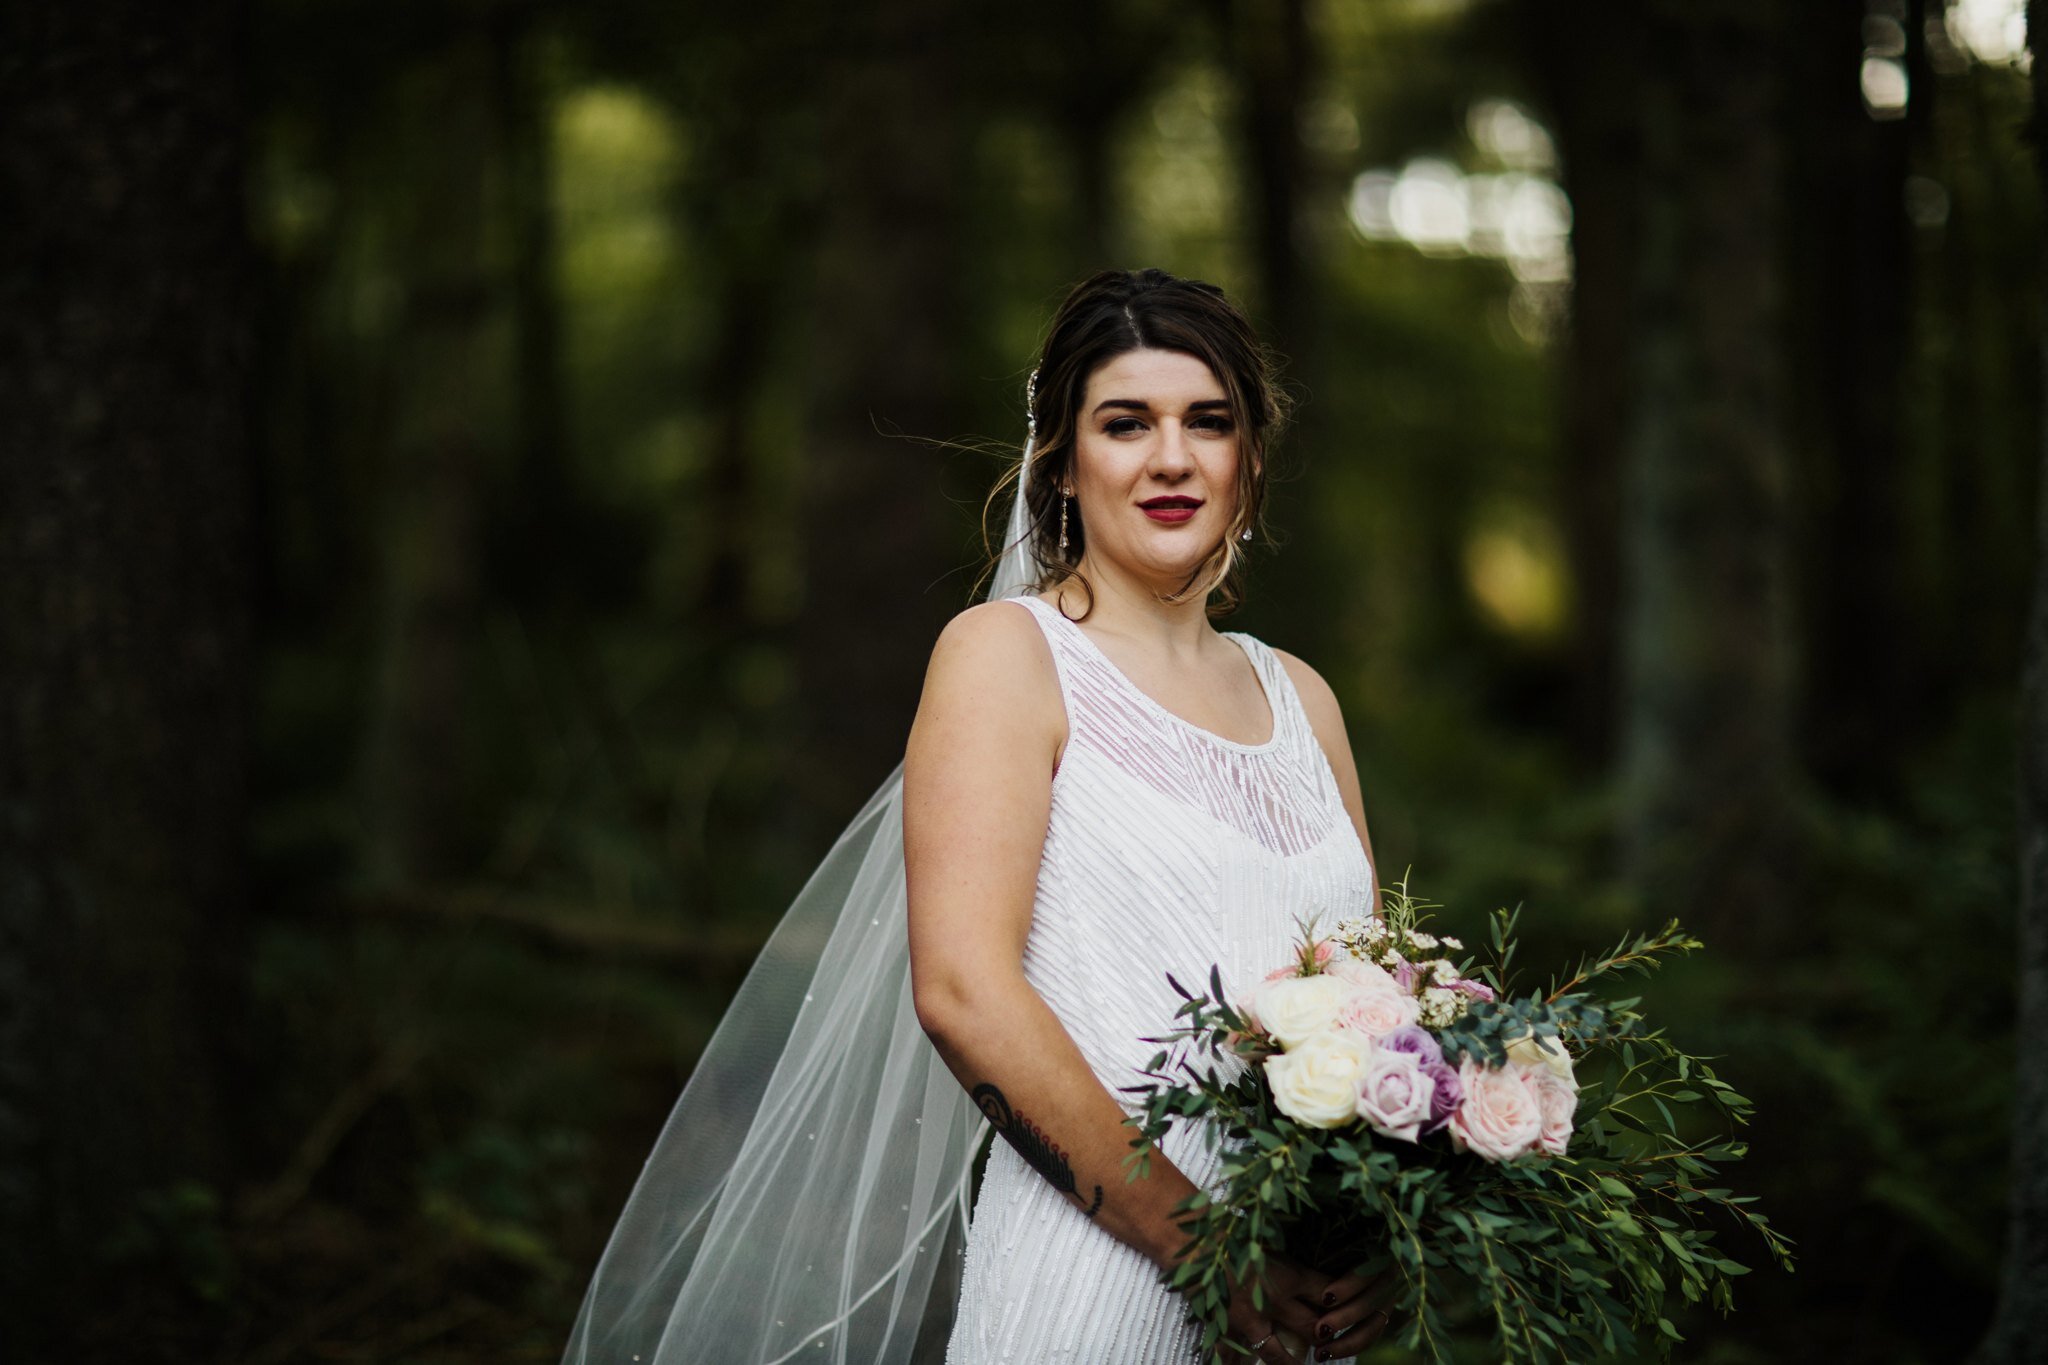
(1155, 464)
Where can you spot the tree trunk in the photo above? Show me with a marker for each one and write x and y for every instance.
(1707, 745)
(453, 353)
(1270, 46)
(1593, 65)
(2020, 1324)
(1085, 110)
(538, 498)
(125, 588)
(1854, 272)
(879, 541)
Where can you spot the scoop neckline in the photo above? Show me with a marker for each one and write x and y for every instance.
(1236, 637)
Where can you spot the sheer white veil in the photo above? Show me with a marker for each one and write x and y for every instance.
(799, 1202)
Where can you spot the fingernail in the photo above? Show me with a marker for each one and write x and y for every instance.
(1322, 1331)
(1329, 1297)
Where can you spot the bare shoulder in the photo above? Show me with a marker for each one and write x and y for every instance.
(992, 621)
(977, 795)
(992, 645)
(992, 672)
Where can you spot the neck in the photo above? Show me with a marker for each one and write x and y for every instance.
(1129, 605)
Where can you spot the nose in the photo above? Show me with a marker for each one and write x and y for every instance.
(1171, 457)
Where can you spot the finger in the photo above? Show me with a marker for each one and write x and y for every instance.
(1302, 1285)
(1291, 1300)
(1378, 1292)
(1346, 1287)
(1360, 1338)
(1269, 1349)
(1297, 1316)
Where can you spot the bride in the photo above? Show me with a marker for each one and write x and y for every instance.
(1099, 790)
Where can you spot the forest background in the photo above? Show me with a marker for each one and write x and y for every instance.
(482, 479)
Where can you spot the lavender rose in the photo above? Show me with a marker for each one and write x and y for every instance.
(1413, 1038)
(1478, 990)
(1394, 1095)
(1450, 1091)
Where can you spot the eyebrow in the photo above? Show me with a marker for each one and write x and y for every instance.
(1140, 405)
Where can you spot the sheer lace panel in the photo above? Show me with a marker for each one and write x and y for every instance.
(1278, 793)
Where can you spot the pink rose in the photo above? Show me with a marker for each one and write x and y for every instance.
(1377, 1012)
(1557, 1101)
(1478, 990)
(1406, 974)
(1500, 1117)
(1366, 974)
(1395, 1093)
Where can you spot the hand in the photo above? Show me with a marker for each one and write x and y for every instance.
(1354, 1314)
(1277, 1333)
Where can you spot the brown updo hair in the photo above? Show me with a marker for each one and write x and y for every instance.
(1106, 315)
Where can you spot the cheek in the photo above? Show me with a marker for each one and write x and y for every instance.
(1102, 470)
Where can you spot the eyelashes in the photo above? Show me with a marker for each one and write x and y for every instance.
(1219, 426)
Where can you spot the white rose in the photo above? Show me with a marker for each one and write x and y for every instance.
(1294, 1008)
(1545, 1053)
(1317, 1082)
(1395, 1094)
(1499, 1117)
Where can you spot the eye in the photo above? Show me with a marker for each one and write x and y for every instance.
(1213, 422)
(1122, 426)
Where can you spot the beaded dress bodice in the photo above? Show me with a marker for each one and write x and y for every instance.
(1169, 849)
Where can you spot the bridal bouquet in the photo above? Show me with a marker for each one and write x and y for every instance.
(1539, 1160)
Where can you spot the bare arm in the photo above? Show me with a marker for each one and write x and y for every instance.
(977, 792)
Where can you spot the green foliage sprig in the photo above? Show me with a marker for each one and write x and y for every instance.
(1561, 1257)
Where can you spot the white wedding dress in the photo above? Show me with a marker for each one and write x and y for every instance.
(1169, 849)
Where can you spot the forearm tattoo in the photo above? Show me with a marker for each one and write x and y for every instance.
(1040, 1153)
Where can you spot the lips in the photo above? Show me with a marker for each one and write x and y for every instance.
(1171, 508)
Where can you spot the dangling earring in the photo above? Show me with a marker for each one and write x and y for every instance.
(1247, 534)
(1064, 496)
